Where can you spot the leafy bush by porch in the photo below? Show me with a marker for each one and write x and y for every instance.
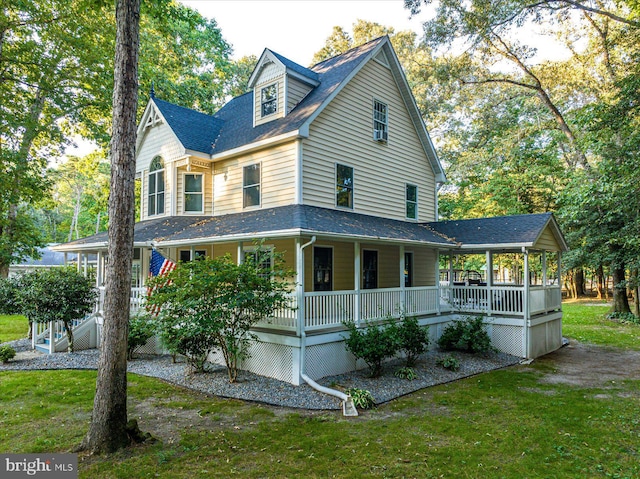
(141, 328)
(468, 335)
(213, 303)
(55, 294)
(376, 343)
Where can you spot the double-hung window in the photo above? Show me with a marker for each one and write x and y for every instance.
(193, 193)
(411, 201)
(344, 186)
(251, 185)
(155, 196)
(269, 100)
(380, 121)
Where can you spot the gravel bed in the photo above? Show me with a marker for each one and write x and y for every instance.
(252, 387)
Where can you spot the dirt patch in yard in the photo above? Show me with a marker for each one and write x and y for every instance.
(588, 365)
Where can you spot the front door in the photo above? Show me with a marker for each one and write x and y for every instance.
(322, 269)
(369, 269)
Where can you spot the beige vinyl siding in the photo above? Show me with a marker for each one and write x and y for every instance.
(207, 180)
(343, 133)
(158, 140)
(277, 186)
(296, 91)
(220, 249)
(547, 241)
(259, 120)
(424, 266)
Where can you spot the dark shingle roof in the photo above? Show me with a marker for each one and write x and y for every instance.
(308, 220)
(257, 223)
(232, 126)
(500, 230)
(196, 131)
(295, 67)
(146, 231)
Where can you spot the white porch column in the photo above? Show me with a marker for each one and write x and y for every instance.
(438, 288)
(450, 276)
(85, 265)
(79, 260)
(489, 280)
(144, 265)
(356, 282)
(66, 258)
(544, 268)
(299, 285)
(99, 269)
(240, 252)
(525, 303)
(403, 293)
(192, 253)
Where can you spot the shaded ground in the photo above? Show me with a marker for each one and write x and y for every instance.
(588, 365)
(578, 364)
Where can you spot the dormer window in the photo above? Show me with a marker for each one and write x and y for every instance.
(155, 198)
(269, 100)
(380, 121)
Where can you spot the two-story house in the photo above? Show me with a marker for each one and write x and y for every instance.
(333, 166)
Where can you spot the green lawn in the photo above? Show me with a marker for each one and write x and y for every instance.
(586, 322)
(13, 327)
(503, 424)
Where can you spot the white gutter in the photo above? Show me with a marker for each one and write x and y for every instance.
(348, 408)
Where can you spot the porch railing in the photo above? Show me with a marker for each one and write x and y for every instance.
(505, 300)
(329, 309)
(325, 309)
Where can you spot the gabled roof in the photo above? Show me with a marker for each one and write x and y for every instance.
(291, 67)
(502, 231)
(231, 128)
(196, 131)
(238, 129)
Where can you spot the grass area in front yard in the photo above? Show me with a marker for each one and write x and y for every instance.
(13, 327)
(586, 322)
(505, 423)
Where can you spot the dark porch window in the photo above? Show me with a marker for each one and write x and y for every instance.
(322, 269)
(408, 270)
(369, 269)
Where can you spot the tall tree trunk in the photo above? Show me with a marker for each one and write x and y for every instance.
(579, 279)
(620, 300)
(600, 278)
(108, 428)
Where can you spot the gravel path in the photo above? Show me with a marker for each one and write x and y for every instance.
(266, 390)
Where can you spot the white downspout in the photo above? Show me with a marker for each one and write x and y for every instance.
(348, 408)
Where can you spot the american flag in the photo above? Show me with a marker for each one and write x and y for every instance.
(159, 266)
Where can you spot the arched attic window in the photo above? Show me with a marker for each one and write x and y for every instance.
(156, 187)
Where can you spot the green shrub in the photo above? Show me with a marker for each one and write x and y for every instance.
(414, 339)
(469, 335)
(6, 354)
(373, 344)
(361, 398)
(141, 329)
(449, 362)
(624, 317)
(406, 373)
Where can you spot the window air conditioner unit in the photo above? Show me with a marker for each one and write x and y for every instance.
(380, 135)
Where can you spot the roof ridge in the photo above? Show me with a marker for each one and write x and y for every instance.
(348, 51)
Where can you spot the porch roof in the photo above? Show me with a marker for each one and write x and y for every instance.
(499, 233)
(291, 220)
(504, 232)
